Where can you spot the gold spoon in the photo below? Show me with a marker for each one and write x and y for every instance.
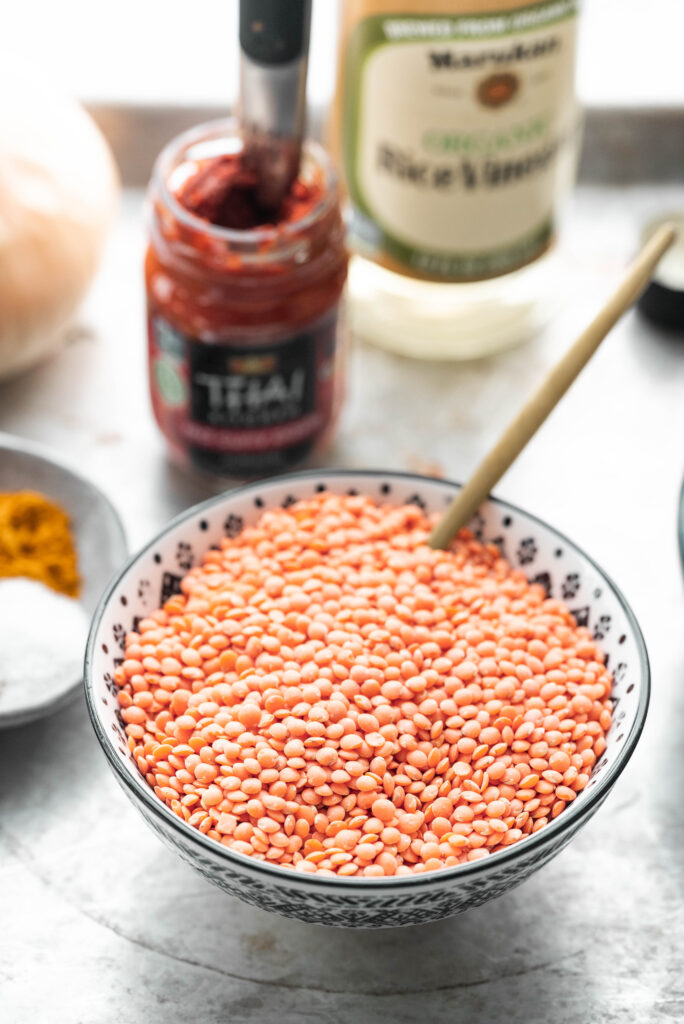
(535, 411)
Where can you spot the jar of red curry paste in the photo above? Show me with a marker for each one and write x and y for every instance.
(246, 340)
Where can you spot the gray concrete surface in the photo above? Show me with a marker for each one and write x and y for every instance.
(100, 924)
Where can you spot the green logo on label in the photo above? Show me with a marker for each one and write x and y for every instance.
(170, 384)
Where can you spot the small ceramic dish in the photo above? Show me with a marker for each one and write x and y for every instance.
(99, 536)
(680, 525)
(549, 558)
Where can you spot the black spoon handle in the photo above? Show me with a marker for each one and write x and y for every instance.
(274, 39)
(275, 31)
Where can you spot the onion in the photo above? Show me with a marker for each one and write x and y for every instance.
(58, 191)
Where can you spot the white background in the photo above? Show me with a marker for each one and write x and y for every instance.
(150, 51)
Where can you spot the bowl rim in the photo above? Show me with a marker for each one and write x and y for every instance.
(43, 453)
(572, 815)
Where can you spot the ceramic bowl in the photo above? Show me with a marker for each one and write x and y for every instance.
(545, 555)
(98, 533)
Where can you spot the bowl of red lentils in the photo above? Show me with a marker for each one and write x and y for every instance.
(332, 721)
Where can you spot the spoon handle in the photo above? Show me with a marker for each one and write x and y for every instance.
(274, 47)
(533, 414)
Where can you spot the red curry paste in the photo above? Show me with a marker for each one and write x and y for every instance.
(245, 349)
(224, 191)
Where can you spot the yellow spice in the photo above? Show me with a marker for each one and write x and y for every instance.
(36, 541)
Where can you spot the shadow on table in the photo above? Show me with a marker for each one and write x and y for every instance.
(73, 828)
(255, 967)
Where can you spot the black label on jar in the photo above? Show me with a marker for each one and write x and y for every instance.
(241, 410)
(243, 388)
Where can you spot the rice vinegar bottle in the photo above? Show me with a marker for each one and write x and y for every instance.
(457, 129)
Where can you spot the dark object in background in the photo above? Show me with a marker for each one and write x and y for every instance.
(680, 525)
(663, 300)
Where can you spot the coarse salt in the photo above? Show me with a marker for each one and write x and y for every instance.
(42, 640)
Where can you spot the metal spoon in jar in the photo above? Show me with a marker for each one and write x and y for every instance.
(274, 43)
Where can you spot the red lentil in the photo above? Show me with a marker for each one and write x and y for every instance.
(339, 698)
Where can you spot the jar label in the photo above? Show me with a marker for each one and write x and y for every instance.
(460, 134)
(238, 409)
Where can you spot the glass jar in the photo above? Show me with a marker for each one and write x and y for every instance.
(245, 337)
(457, 127)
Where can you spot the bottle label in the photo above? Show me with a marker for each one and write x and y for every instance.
(460, 135)
(238, 409)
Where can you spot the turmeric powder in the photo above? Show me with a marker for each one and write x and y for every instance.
(36, 541)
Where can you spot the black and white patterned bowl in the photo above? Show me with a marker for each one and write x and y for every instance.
(152, 575)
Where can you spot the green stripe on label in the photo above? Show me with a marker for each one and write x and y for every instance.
(445, 266)
(425, 28)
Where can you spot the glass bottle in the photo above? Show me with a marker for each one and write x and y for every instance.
(458, 134)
